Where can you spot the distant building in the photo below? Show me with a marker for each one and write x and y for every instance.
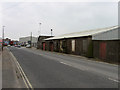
(27, 40)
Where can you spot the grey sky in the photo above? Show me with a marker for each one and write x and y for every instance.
(63, 17)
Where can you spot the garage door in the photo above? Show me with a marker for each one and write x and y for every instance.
(102, 50)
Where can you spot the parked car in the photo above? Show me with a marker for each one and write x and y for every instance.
(15, 45)
(8, 45)
(28, 46)
(19, 46)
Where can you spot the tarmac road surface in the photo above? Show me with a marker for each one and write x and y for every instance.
(54, 70)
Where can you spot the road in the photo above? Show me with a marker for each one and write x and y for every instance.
(54, 70)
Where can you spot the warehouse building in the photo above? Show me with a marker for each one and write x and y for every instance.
(74, 43)
(85, 43)
(26, 40)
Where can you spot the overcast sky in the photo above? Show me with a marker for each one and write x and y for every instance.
(21, 18)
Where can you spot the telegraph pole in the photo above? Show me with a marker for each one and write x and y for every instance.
(3, 38)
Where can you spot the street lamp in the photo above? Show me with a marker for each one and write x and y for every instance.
(51, 31)
(3, 38)
(40, 28)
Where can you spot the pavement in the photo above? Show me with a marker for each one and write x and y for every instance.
(52, 70)
(11, 77)
(0, 68)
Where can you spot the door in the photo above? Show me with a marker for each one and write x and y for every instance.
(103, 50)
(43, 46)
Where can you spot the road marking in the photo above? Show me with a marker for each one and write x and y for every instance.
(73, 66)
(40, 54)
(82, 57)
(24, 77)
(65, 63)
(113, 80)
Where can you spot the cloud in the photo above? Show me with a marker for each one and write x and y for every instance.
(59, 0)
(65, 17)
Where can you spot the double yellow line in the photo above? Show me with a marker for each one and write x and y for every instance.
(24, 77)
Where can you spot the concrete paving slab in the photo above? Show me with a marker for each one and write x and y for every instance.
(11, 77)
(0, 69)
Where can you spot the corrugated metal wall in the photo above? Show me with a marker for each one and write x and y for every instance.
(118, 33)
(119, 51)
(108, 35)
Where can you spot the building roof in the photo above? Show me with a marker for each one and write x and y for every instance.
(46, 36)
(83, 33)
(27, 37)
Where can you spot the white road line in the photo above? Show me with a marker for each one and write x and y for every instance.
(73, 66)
(65, 63)
(113, 80)
(24, 77)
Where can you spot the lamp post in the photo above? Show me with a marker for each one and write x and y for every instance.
(39, 32)
(3, 38)
(51, 31)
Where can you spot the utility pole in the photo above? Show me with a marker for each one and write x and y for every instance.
(51, 31)
(3, 38)
(31, 39)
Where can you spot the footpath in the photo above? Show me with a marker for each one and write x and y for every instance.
(0, 68)
(11, 77)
